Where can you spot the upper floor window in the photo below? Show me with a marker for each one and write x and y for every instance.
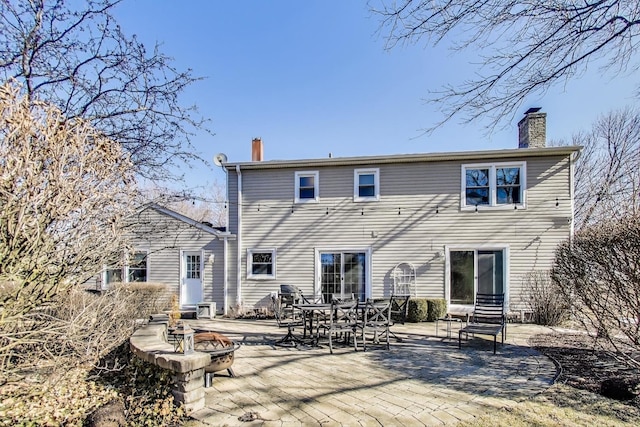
(366, 185)
(307, 186)
(261, 263)
(497, 184)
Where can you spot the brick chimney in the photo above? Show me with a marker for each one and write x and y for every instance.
(532, 129)
(257, 152)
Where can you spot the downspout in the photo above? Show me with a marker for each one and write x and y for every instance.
(225, 274)
(239, 240)
(573, 158)
(225, 251)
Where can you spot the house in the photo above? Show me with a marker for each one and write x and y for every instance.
(456, 223)
(186, 255)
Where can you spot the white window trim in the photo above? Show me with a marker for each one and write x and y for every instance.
(504, 247)
(250, 253)
(183, 274)
(105, 271)
(492, 186)
(316, 186)
(356, 184)
(127, 265)
(123, 267)
(368, 250)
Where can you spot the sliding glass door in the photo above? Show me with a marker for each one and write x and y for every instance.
(475, 271)
(342, 274)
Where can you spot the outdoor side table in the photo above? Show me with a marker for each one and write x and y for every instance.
(448, 321)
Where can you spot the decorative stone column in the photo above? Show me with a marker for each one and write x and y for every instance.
(189, 389)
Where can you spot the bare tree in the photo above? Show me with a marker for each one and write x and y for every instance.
(597, 272)
(206, 204)
(541, 297)
(607, 173)
(65, 193)
(530, 45)
(74, 55)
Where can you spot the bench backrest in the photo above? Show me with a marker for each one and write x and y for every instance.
(489, 308)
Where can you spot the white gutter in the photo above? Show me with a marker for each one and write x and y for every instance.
(239, 240)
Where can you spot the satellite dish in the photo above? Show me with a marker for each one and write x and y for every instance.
(219, 159)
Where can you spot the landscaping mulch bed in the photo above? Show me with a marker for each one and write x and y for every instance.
(585, 367)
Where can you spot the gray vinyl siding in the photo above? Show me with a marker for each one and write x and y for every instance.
(232, 204)
(403, 226)
(164, 237)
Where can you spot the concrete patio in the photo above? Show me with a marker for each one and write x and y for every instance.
(423, 380)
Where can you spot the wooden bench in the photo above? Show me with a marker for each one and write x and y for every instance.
(488, 319)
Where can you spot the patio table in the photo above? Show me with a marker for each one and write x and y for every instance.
(310, 311)
(448, 320)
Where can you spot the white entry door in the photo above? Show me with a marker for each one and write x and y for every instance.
(191, 278)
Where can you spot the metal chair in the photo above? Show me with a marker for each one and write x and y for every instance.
(399, 311)
(376, 321)
(343, 298)
(488, 319)
(342, 322)
(287, 317)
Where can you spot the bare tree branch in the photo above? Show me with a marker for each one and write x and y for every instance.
(75, 56)
(65, 192)
(607, 173)
(599, 274)
(531, 46)
(202, 204)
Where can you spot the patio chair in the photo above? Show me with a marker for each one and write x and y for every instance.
(376, 322)
(288, 317)
(399, 311)
(488, 319)
(342, 323)
(343, 298)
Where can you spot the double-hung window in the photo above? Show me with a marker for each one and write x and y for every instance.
(112, 275)
(137, 267)
(493, 185)
(133, 269)
(366, 185)
(307, 186)
(261, 263)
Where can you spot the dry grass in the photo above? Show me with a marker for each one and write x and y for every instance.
(574, 400)
(562, 405)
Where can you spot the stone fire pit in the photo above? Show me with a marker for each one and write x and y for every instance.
(220, 348)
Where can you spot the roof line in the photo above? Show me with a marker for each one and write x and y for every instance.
(411, 158)
(186, 219)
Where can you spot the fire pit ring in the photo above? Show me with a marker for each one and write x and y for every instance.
(220, 348)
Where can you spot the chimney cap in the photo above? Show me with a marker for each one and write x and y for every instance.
(532, 110)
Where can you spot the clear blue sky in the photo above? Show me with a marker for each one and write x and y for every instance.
(312, 77)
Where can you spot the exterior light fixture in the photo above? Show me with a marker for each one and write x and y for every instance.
(183, 338)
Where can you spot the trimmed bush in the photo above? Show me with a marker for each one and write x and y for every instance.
(436, 308)
(426, 310)
(417, 310)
